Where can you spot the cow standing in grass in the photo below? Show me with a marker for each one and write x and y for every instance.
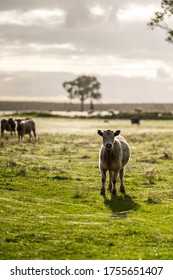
(113, 156)
(26, 126)
(135, 120)
(8, 125)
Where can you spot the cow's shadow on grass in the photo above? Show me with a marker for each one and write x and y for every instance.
(121, 204)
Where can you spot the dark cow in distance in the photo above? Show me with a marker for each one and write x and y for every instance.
(135, 120)
(8, 125)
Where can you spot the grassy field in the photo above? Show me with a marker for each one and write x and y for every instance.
(50, 203)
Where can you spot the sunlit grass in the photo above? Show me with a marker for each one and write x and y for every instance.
(50, 203)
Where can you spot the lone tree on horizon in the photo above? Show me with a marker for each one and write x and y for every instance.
(164, 20)
(83, 87)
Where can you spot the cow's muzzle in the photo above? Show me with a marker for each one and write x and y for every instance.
(108, 146)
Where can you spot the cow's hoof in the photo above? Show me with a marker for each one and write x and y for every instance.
(102, 192)
(122, 190)
(113, 192)
(109, 188)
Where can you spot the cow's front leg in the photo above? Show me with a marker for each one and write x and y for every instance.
(114, 182)
(103, 174)
(2, 132)
(30, 136)
(110, 180)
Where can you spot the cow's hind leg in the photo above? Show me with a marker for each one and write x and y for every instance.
(30, 136)
(122, 189)
(34, 132)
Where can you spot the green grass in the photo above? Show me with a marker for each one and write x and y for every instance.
(50, 203)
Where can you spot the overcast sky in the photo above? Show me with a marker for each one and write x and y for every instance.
(44, 43)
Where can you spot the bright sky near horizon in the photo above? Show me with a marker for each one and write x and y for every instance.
(44, 43)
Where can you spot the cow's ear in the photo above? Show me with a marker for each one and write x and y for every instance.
(100, 132)
(117, 132)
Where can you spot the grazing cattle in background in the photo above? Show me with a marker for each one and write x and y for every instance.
(8, 125)
(113, 156)
(26, 126)
(135, 120)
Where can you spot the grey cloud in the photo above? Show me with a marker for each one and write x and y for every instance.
(136, 89)
(114, 89)
(28, 4)
(163, 74)
(34, 4)
(129, 39)
(77, 11)
(26, 84)
(90, 35)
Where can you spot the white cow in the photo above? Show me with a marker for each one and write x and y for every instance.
(26, 126)
(113, 156)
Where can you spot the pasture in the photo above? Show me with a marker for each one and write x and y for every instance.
(50, 203)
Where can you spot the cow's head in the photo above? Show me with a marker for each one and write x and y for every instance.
(18, 121)
(11, 122)
(19, 124)
(108, 137)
